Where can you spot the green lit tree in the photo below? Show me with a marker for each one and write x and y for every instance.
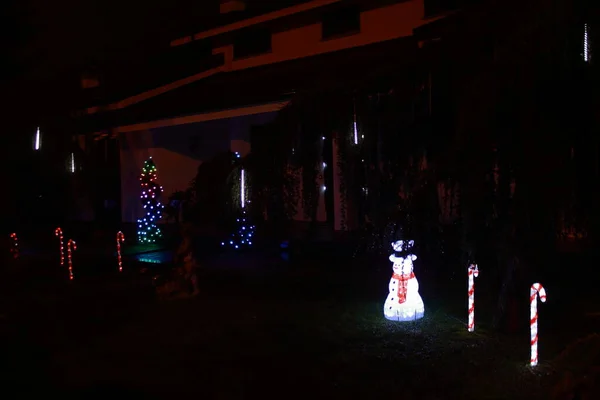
(148, 231)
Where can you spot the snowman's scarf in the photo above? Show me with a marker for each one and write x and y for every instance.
(402, 279)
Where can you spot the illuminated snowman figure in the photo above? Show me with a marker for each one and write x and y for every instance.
(403, 303)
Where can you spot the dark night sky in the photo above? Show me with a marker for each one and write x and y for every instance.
(50, 41)
(52, 36)
(47, 42)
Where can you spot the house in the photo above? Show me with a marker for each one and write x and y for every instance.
(204, 93)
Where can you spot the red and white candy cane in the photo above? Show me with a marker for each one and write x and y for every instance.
(120, 239)
(71, 246)
(536, 289)
(473, 273)
(14, 246)
(59, 233)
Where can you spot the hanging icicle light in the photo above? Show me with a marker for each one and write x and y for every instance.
(38, 140)
(243, 189)
(72, 163)
(586, 43)
(354, 125)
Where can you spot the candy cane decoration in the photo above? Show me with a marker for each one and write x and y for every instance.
(473, 273)
(14, 249)
(71, 246)
(59, 233)
(536, 289)
(120, 239)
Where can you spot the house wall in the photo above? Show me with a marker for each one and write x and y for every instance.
(377, 25)
(178, 151)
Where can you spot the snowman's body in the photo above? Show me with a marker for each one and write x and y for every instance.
(403, 303)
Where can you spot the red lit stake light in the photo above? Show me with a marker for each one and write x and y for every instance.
(71, 246)
(120, 239)
(14, 249)
(59, 233)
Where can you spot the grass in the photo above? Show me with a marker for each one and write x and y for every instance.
(280, 331)
(138, 248)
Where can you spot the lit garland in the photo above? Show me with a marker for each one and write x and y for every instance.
(403, 303)
(148, 231)
(71, 246)
(14, 248)
(59, 233)
(120, 239)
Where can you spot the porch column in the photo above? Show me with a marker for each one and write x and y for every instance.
(340, 216)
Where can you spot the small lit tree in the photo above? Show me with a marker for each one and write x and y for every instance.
(148, 231)
(243, 233)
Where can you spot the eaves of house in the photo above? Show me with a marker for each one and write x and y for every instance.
(364, 68)
(220, 81)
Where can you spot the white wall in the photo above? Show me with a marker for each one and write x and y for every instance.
(178, 151)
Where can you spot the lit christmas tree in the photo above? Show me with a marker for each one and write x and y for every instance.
(148, 232)
(243, 235)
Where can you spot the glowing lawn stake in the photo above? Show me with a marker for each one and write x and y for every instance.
(120, 239)
(536, 289)
(14, 248)
(473, 273)
(59, 233)
(71, 246)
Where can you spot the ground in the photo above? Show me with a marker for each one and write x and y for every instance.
(263, 327)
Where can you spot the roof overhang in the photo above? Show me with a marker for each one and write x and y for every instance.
(195, 118)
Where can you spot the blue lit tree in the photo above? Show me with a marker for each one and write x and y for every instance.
(148, 231)
(243, 233)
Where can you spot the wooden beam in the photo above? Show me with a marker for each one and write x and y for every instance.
(210, 116)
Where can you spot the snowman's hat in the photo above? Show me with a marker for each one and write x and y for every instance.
(402, 245)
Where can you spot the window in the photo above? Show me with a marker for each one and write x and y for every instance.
(251, 43)
(340, 22)
(437, 7)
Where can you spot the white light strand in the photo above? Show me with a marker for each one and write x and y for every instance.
(38, 139)
(243, 189)
(355, 127)
(586, 44)
(72, 163)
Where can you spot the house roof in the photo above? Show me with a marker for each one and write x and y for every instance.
(351, 69)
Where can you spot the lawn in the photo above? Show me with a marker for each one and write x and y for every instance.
(264, 328)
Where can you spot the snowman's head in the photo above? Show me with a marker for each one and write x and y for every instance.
(403, 265)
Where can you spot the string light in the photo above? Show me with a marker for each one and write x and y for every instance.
(244, 235)
(243, 189)
(14, 249)
(403, 303)
(148, 231)
(38, 140)
(586, 44)
(120, 239)
(355, 126)
(59, 233)
(71, 246)
(72, 165)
